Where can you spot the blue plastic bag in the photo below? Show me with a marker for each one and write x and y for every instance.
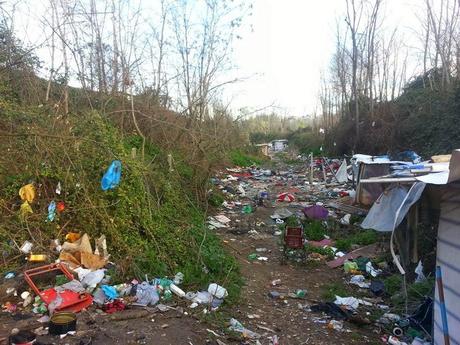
(110, 292)
(51, 211)
(112, 176)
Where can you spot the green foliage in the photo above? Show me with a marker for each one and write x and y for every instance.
(419, 290)
(306, 141)
(215, 198)
(343, 244)
(262, 138)
(329, 291)
(242, 159)
(150, 223)
(291, 221)
(416, 292)
(365, 237)
(362, 237)
(393, 284)
(314, 230)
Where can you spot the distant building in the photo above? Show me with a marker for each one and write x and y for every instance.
(279, 145)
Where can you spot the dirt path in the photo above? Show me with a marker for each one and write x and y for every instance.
(288, 318)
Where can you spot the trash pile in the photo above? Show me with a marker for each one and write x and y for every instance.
(75, 274)
(311, 208)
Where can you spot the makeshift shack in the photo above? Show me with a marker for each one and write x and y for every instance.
(423, 193)
(279, 145)
(264, 149)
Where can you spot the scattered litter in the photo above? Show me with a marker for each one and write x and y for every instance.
(419, 272)
(217, 291)
(345, 219)
(236, 326)
(351, 303)
(335, 325)
(146, 294)
(26, 247)
(316, 212)
(372, 271)
(10, 275)
(360, 281)
(112, 176)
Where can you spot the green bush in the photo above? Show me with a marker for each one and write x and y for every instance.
(329, 291)
(314, 230)
(242, 159)
(150, 222)
(393, 284)
(323, 251)
(343, 244)
(365, 238)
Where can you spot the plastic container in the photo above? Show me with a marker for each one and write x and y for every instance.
(177, 290)
(62, 322)
(37, 257)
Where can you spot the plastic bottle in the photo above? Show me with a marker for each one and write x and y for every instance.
(167, 295)
(300, 293)
(177, 290)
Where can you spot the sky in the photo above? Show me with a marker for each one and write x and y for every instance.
(286, 46)
(291, 46)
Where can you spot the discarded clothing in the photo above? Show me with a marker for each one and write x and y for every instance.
(360, 281)
(116, 305)
(331, 309)
(112, 177)
(377, 287)
(351, 303)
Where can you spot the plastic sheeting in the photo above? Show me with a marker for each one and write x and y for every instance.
(342, 175)
(384, 215)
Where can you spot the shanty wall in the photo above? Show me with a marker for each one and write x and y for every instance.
(448, 257)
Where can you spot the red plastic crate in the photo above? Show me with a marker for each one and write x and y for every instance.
(71, 301)
(293, 237)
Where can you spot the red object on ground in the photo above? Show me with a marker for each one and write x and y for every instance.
(288, 197)
(343, 193)
(60, 206)
(71, 301)
(293, 237)
(245, 174)
(113, 307)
